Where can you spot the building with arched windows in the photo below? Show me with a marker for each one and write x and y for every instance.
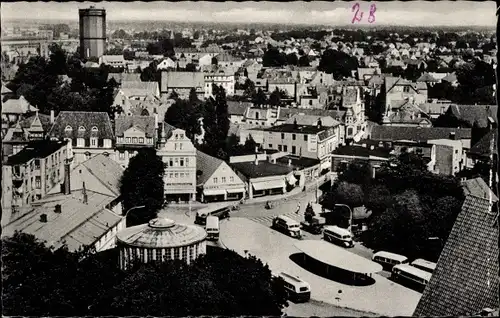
(160, 239)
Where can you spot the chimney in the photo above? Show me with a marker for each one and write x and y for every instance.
(43, 218)
(453, 135)
(372, 147)
(85, 197)
(67, 179)
(52, 116)
(289, 162)
(256, 150)
(374, 171)
(319, 123)
(57, 208)
(156, 121)
(256, 160)
(295, 123)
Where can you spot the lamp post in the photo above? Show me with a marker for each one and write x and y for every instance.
(350, 215)
(132, 208)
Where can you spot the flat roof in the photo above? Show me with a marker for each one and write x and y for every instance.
(413, 270)
(262, 169)
(337, 256)
(298, 129)
(423, 262)
(36, 149)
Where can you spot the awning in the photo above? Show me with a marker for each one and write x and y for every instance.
(214, 192)
(240, 190)
(271, 184)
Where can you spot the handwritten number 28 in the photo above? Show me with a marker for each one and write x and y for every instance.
(358, 15)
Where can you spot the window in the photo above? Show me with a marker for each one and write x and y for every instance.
(310, 102)
(81, 128)
(80, 142)
(231, 179)
(294, 136)
(282, 136)
(68, 128)
(187, 162)
(134, 140)
(176, 162)
(38, 182)
(176, 175)
(176, 252)
(93, 142)
(270, 146)
(182, 162)
(406, 89)
(175, 146)
(171, 175)
(216, 180)
(171, 162)
(223, 179)
(181, 175)
(285, 148)
(158, 254)
(37, 163)
(94, 129)
(121, 155)
(184, 252)
(180, 146)
(293, 149)
(87, 155)
(279, 147)
(141, 140)
(305, 137)
(150, 254)
(127, 140)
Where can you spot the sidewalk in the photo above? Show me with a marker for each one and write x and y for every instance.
(271, 198)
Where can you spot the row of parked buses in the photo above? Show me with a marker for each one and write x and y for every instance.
(416, 274)
(331, 233)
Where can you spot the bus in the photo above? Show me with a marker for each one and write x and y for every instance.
(287, 225)
(221, 211)
(411, 276)
(424, 265)
(296, 289)
(338, 235)
(212, 228)
(389, 260)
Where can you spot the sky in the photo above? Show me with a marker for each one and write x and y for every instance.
(412, 13)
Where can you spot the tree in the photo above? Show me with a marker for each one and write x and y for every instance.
(249, 88)
(38, 281)
(275, 98)
(250, 144)
(337, 63)
(185, 114)
(259, 98)
(344, 193)
(292, 59)
(142, 184)
(216, 121)
(304, 61)
(273, 58)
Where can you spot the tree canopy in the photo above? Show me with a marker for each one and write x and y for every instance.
(38, 281)
(338, 63)
(185, 114)
(142, 184)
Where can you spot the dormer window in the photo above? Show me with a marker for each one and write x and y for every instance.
(94, 129)
(68, 128)
(81, 128)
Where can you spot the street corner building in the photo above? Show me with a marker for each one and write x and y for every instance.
(160, 239)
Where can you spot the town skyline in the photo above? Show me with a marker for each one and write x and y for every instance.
(461, 13)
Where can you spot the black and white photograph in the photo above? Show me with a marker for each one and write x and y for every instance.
(252, 158)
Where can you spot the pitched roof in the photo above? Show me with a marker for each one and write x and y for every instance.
(29, 121)
(428, 78)
(144, 123)
(77, 225)
(418, 134)
(125, 77)
(87, 120)
(487, 145)
(107, 171)
(286, 113)
(311, 120)
(181, 80)
(475, 113)
(452, 77)
(17, 106)
(360, 151)
(5, 90)
(237, 108)
(207, 165)
(466, 276)
(262, 169)
(478, 187)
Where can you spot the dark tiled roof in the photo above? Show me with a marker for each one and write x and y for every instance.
(36, 149)
(393, 133)
(487, 145)
(263, 169)
(360, 151)
(144, 123)
(82, 119)
(298, 162)
(475, 113)
(466, 276)
(207, 165)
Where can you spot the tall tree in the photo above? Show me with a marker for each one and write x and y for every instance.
(142, 184)
(259, 98)
(275, 98)
(185, 115)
